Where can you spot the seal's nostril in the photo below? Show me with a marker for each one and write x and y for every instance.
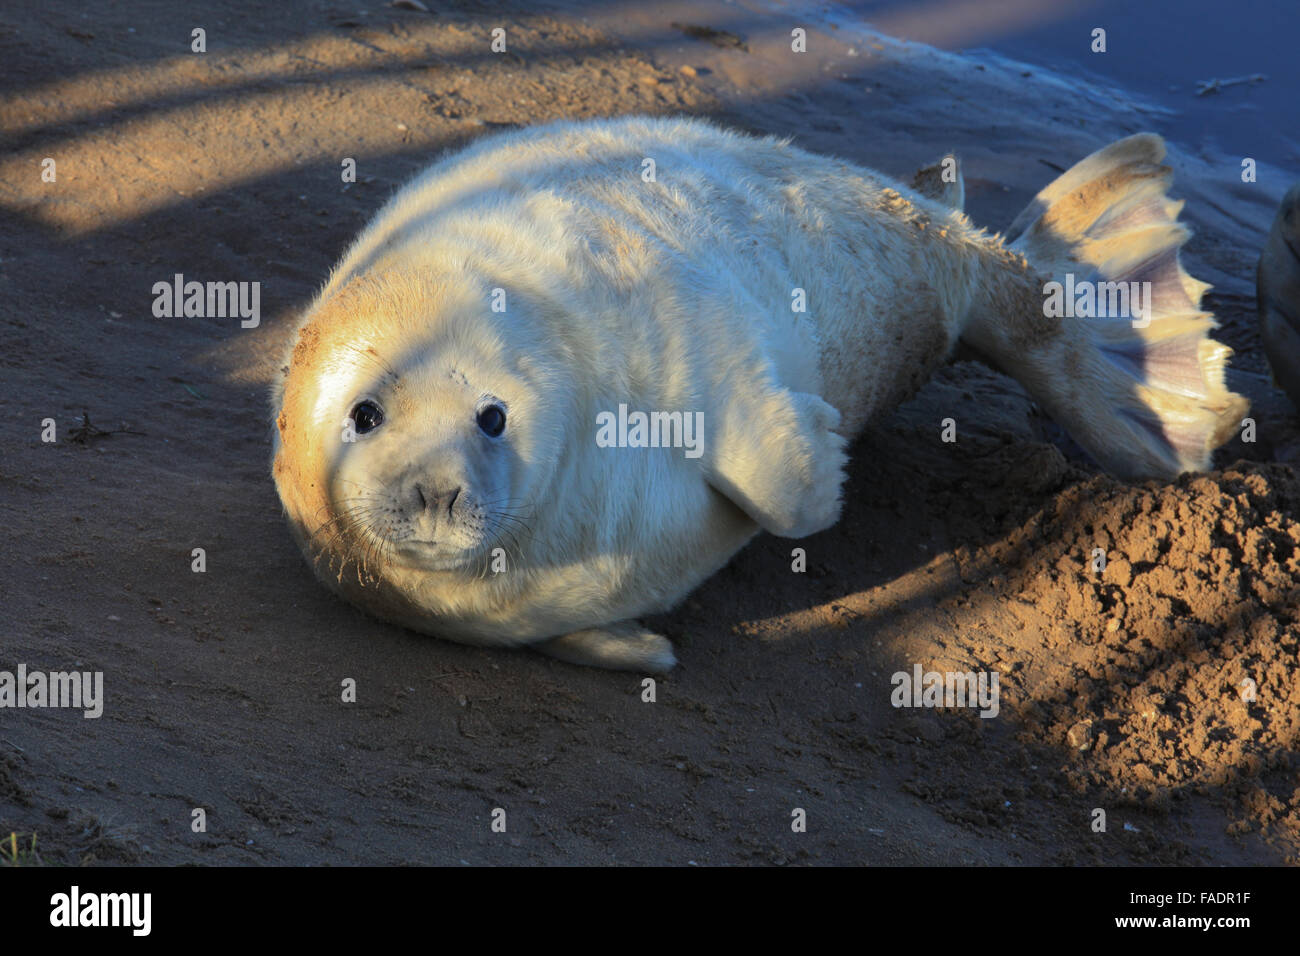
(433, 500)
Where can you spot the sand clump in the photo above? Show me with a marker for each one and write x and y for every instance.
(1174, 665)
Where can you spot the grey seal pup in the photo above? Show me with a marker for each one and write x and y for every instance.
(566, 373)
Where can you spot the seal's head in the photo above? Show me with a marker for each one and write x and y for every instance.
(414, 432)
(1277, 280)
(1287, 221)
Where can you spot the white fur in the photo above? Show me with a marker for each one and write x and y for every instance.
(672, 295)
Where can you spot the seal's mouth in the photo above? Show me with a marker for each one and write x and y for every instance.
(432, 555)
(383, 530)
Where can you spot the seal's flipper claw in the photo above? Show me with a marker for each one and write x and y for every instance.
(777, 457)
(625, 646)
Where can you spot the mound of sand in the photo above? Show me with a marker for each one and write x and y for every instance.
(1122, 689)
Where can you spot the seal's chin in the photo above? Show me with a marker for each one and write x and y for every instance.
(436, 556)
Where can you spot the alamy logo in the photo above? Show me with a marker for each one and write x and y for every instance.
(1098, 300)
(210, 300)
(75, 908)
(946, 689)
(651, 430)
(75, 689)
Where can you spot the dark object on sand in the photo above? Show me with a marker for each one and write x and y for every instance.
(721, 38)
(1278, 295)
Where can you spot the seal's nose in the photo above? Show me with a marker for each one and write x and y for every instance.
(434, 500)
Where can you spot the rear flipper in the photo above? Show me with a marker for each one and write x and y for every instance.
(1102, 325)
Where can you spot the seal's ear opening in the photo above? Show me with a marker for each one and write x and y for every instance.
(942, 182)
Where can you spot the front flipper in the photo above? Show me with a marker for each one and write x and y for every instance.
(625, 646)
(776, 456)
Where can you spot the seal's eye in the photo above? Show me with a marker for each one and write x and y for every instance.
(368, 416)
(492, 419)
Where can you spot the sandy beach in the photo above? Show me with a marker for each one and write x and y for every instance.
(1119, 691)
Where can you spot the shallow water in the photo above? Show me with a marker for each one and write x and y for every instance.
(1157, 49)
